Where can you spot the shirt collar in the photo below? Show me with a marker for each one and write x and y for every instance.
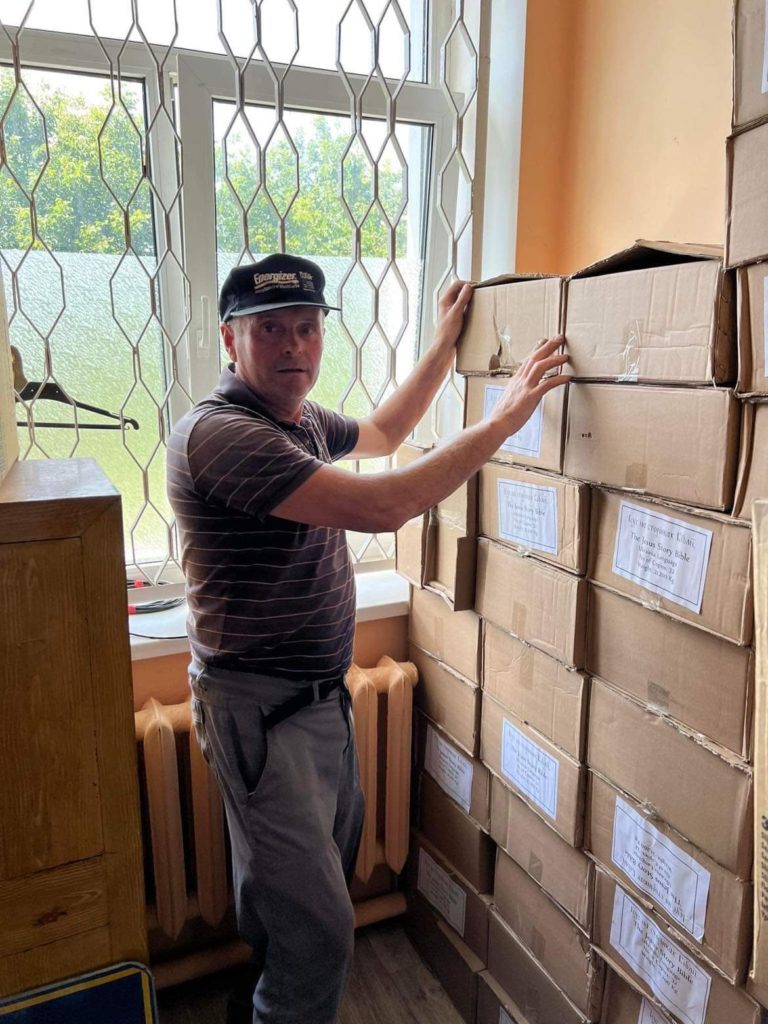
(234, 390)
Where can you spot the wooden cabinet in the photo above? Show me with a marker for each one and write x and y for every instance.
(71, 885)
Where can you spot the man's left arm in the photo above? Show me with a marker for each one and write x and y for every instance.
(389, 424)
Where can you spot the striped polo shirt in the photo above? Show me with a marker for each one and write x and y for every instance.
(265, 595)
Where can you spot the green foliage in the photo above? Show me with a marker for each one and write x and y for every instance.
(74, 209)
(82, 162)
(305, 189)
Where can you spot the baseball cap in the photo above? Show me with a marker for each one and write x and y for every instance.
(275, 282)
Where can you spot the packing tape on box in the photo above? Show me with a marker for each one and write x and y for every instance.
(538, 944)
(636, 476)
(503, 332)
(630, 356)
(649, 600)
(535, 867)
(525, 669)
(649, 810)
(658, 697)
(519, 617)
(453, 520)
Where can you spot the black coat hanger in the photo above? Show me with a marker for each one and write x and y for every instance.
(30, 390)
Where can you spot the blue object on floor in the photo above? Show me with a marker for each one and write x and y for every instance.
(123, 994)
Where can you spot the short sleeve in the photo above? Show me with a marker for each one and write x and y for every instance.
(246, 463)
(341, 432)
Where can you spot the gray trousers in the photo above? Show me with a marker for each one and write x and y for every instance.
(294, 810)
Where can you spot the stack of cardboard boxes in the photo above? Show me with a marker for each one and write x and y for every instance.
(503, 701)
(747, 251)
(605, 677)
(585, 845)
(669, 789)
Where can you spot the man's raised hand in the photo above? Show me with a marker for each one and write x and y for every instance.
(450, 313)
(529, 385)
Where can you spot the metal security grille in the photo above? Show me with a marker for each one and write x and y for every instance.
(147, 149)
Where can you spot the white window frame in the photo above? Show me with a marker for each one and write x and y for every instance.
(202, 78)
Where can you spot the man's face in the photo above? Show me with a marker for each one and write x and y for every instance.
(277, 353)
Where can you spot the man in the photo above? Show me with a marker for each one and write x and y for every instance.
(261, 513)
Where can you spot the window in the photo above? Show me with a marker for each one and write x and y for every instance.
(142, 157)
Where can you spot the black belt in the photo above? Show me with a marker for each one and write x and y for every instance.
(306, 696)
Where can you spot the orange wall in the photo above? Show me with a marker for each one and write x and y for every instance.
(626, 107)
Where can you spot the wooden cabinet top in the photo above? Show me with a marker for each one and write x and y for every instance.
(44, 499)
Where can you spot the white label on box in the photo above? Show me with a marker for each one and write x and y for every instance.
(764, 83)
(445, 896)
(530, 768)
(662, 554)
(451, 770)
(674, 977)
(660, 868)
(649, 1014)
(504, 1017)
(528, 515)
(765, 321)
(527, 441)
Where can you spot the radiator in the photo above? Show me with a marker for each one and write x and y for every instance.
(187, 860)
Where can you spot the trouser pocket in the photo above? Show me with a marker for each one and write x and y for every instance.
(233, 740)
(198, 726)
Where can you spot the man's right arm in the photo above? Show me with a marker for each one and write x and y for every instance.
(381, 502)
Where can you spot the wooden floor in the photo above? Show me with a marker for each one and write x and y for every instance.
(390, 984)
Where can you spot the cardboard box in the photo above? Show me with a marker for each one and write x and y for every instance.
(758, 975)
(637, 943)
(676, 443)
(469, 849)
(537, 689)
(750, 62)
(708, 907)
(520, 975)
(657, 313)
(558, 944)
(535, 602)
(411, 540)
(746, 227)
(448, 699)
(752, 306)
(688, 564)
(547, 779)
(536, 512)
(566, 874)
(466, 780)
(455, 900)
(495, 1006)
(699, 679)
(456, 966)
(623, 1004)
(451, 551)
(452, 637)
(506, 319)
(753, 467)
(539, 442)
(705, 797)
(410, 549)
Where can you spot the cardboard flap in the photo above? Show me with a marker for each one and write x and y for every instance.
(511, 279)
(643, 254)
(745, 459)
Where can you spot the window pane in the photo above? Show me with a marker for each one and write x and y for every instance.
(303, 189)
(194, 26)
(80, 302)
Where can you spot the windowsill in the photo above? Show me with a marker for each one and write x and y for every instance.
(380, 595)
